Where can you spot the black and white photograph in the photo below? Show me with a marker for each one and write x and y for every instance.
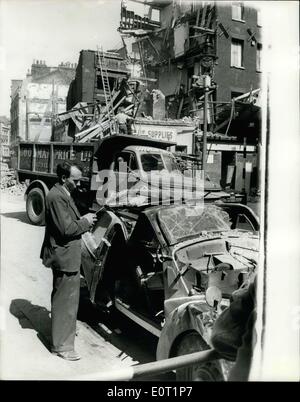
(150, 193)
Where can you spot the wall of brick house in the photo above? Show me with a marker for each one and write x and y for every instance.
(87, 75)
(231, 79)
(82, 87)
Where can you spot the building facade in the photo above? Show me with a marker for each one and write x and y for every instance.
(194, 39)
(98, 75)
(87, 85)
(37, 98)
(189, 33)
(5, 139)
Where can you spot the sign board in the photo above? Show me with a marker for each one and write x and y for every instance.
(157, 132)
(231, 147)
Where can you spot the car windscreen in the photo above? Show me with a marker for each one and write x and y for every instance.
(181, 222)
(158, 162)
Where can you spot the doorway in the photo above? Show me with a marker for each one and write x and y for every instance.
(228, 169)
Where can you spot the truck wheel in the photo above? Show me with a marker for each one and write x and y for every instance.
(35, 207)
(210, 371)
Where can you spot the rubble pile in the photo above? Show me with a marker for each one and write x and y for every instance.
(9, 184)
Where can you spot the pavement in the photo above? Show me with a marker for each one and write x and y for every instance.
(25, 311)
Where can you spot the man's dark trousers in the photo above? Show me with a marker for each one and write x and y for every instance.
(64, 307)
(61, 251)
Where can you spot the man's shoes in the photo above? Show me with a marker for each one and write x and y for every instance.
(71, 355)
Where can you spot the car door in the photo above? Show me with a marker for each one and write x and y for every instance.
(95, 248)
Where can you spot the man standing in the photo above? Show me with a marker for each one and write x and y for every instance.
(123, 121)
(61, 251)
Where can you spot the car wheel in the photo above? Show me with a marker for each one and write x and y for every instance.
(210, 371)
(35, 207)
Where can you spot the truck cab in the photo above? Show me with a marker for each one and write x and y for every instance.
(139, 166)
(122, 163)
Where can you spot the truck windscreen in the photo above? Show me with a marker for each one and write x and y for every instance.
(159, 162)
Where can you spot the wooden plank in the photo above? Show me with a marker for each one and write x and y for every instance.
(108, 106)
(115, 107)
(180, 108)
(203, 15)
(203, 29)
(198, 16)
(152, 44)
(209, 15)
(221, 125)
(91, 135)
(74, 109)
(143, 79)
(87, 131)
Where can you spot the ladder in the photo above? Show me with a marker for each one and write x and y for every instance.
(106, 89)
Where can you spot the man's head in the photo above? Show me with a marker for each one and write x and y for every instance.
(69, 175)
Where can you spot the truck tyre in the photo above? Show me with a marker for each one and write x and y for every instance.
(35, 207)
(210, 371)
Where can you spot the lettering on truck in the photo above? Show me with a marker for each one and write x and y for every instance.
(26, 153)
(42, 154)
(62, 154)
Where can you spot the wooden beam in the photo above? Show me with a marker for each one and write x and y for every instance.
(198, 16)
(152, 44)
(221, 125)
(143, 79)
(196, 36)
(113, 109)
(209, 15)
(180, 108)
(203, 15)
(203, 29)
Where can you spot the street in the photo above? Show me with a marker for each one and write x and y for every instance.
(25, 323)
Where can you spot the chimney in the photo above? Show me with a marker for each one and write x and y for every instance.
(39, 68)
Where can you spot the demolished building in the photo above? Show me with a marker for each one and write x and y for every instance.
(189, 40)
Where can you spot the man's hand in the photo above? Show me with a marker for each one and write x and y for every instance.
(91, 218)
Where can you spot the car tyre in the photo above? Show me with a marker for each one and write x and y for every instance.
(210, 371)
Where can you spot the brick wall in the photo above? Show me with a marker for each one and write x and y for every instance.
(232, 79)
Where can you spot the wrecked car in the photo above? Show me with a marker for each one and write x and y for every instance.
(172, 270)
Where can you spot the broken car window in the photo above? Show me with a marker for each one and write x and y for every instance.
(180, 222)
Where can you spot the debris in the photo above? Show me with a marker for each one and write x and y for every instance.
(9, 184)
